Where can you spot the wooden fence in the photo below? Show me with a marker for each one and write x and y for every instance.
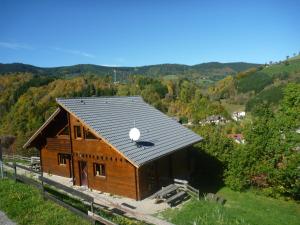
(16, 157)
(42, 183)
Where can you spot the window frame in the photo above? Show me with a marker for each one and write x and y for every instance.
(61, 157)
(103, 175)
(76, 129)
(86, 131)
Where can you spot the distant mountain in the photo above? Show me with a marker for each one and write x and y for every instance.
(212, 70)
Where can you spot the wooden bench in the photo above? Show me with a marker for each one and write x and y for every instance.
(165, 191)
(176, 198)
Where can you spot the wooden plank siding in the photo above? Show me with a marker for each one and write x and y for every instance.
(120, 174)
(51, 165)
(162, 172)
(59, 144)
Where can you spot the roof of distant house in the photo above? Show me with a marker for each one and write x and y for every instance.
(236, 136)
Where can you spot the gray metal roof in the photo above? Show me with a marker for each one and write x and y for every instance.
(113, 117)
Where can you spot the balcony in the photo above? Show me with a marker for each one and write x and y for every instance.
(58, 144)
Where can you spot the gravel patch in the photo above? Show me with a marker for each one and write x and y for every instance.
(4, 219)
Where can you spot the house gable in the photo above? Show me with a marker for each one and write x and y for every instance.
(113, 117)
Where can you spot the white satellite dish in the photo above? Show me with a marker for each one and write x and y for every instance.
(134, 134)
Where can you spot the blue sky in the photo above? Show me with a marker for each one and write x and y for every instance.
(133, 33)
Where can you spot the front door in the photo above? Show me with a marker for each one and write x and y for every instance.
(83, 173)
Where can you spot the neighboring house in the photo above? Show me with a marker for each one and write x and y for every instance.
(87, 139)
(238, 115)
(238, 138)
(214, 119)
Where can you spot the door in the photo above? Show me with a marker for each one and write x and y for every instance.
(83, 171)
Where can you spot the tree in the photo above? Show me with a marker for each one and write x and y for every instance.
(268, 159)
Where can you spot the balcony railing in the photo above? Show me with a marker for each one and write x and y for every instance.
(57, 144)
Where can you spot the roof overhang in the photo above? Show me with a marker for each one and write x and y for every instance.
(39, 131)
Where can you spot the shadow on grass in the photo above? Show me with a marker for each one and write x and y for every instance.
(207, 172)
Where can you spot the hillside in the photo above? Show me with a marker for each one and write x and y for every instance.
(210, 71)
(258, 85)
(27, 100)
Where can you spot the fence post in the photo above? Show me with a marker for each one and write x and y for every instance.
(1, 165)
(92, 206)
(92, 210)
(1, 169)
(15, 170)
(42, 180)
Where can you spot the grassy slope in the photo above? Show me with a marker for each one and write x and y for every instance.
(240, 208)
(267, 83)
(293, 67)
(25, 205)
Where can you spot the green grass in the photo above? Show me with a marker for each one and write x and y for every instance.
(293, 67)
(240, 208)
(25, 205)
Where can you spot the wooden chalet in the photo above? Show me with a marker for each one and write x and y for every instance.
(87, 140)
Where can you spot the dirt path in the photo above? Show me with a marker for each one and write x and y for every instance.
(4, 219)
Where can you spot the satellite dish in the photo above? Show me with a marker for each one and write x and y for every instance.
(134, 134)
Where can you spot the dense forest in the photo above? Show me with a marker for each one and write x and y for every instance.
(268, 160)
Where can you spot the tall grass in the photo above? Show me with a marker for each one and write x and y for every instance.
(240, 209)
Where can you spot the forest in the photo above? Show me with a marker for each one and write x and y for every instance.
(269, 159)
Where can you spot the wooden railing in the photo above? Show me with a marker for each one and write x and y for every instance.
(16, 157)
(188, 188)
(59, 144)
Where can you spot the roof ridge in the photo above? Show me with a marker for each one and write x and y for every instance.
(100, 97)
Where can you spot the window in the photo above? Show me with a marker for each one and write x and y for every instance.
(62, 159)
(89, 135)
(77, 132)
(64, 131)
(99, 169)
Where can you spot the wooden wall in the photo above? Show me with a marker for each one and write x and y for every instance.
(50, 163)
(120, 174)
(162, 172)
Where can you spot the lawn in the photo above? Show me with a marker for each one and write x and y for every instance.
(240, 208)
(25, 205)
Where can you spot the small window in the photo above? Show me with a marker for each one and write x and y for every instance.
(89, 135)
(99, 169)
(77, 132)
(62, 159)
